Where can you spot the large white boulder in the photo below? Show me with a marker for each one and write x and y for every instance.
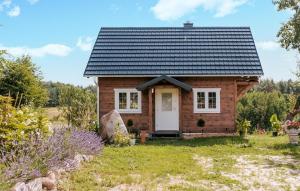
(35, 185)
(20, 186)
(110, 123)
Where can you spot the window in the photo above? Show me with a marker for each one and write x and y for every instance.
(128, 101)
(201, 100)
(207, 100)
(166, 101)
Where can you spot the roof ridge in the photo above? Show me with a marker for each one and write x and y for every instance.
(206, 27)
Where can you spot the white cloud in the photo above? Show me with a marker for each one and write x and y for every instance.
(33, 1)
(12, 9)
(5, 4)
(49, 49)
(14, 12)
(85, 43)
(174, 9)
(114, 8)
(267, 45)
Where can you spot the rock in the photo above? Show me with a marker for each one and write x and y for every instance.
(71, 164)
(51, 175)
(109, 124)
(49, 183)
(87, 157)
(59, 172)
(20, 186)
(35, 185)
(77, 160)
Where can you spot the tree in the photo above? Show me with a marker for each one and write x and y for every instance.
(22, 80)
(289, 33)
(78, 106)
(267, 85)
(258, 107)
(54, 91)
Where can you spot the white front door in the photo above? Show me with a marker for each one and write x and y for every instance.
(166, 109)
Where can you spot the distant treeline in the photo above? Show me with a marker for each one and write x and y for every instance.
(268, 98)
(54, 89)
(284, 87)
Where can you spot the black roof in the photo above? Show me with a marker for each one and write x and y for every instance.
(174, 51)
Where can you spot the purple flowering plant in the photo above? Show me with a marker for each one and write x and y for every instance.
(35, 156)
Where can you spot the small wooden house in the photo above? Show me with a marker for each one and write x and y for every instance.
(174, 79)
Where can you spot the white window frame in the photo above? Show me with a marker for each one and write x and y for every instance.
(128, 91)
(206, 109)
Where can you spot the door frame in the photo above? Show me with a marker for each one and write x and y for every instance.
(158, 91)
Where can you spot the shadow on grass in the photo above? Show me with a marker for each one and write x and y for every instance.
(197, 142)
(288, 149)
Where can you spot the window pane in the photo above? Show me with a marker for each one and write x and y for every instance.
(201, 100)
(166, 101)
(134, 100)
(122, 100)
(212, 100)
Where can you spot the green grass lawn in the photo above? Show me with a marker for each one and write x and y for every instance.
(199, 164)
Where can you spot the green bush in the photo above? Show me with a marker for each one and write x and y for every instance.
(21, 79)
(78, 106)
(18, 124)
(275, 123)
(120, 139)
(258, 107)
(243, 126)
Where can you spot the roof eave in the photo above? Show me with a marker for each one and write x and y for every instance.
(140, 76)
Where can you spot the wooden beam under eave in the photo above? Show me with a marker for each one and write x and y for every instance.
(180, 110)
(243, 87)
(150, 110)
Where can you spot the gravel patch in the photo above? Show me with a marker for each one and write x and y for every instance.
(267, 173)
(205, 162)
(126, 187)
(257, 173)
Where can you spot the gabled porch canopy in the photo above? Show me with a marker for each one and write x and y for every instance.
(164, 78)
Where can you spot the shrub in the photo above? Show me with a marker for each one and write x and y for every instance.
(276, 124)
(293, 125)
(135, 131)
(259, 106)
(37, 155)
(78, 106)
(120, 138)
(243, 126)
(18, 123)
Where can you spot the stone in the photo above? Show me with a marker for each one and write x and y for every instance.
(20, 186)
(48, 183)
(59, 172)
(71, 164)
(51, 175)
(35, 185)
(87, 157)
(110, 122)
(77, 160)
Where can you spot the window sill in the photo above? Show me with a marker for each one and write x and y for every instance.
(130, 111)
(207, 111)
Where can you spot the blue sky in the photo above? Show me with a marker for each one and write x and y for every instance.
(59, 34)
